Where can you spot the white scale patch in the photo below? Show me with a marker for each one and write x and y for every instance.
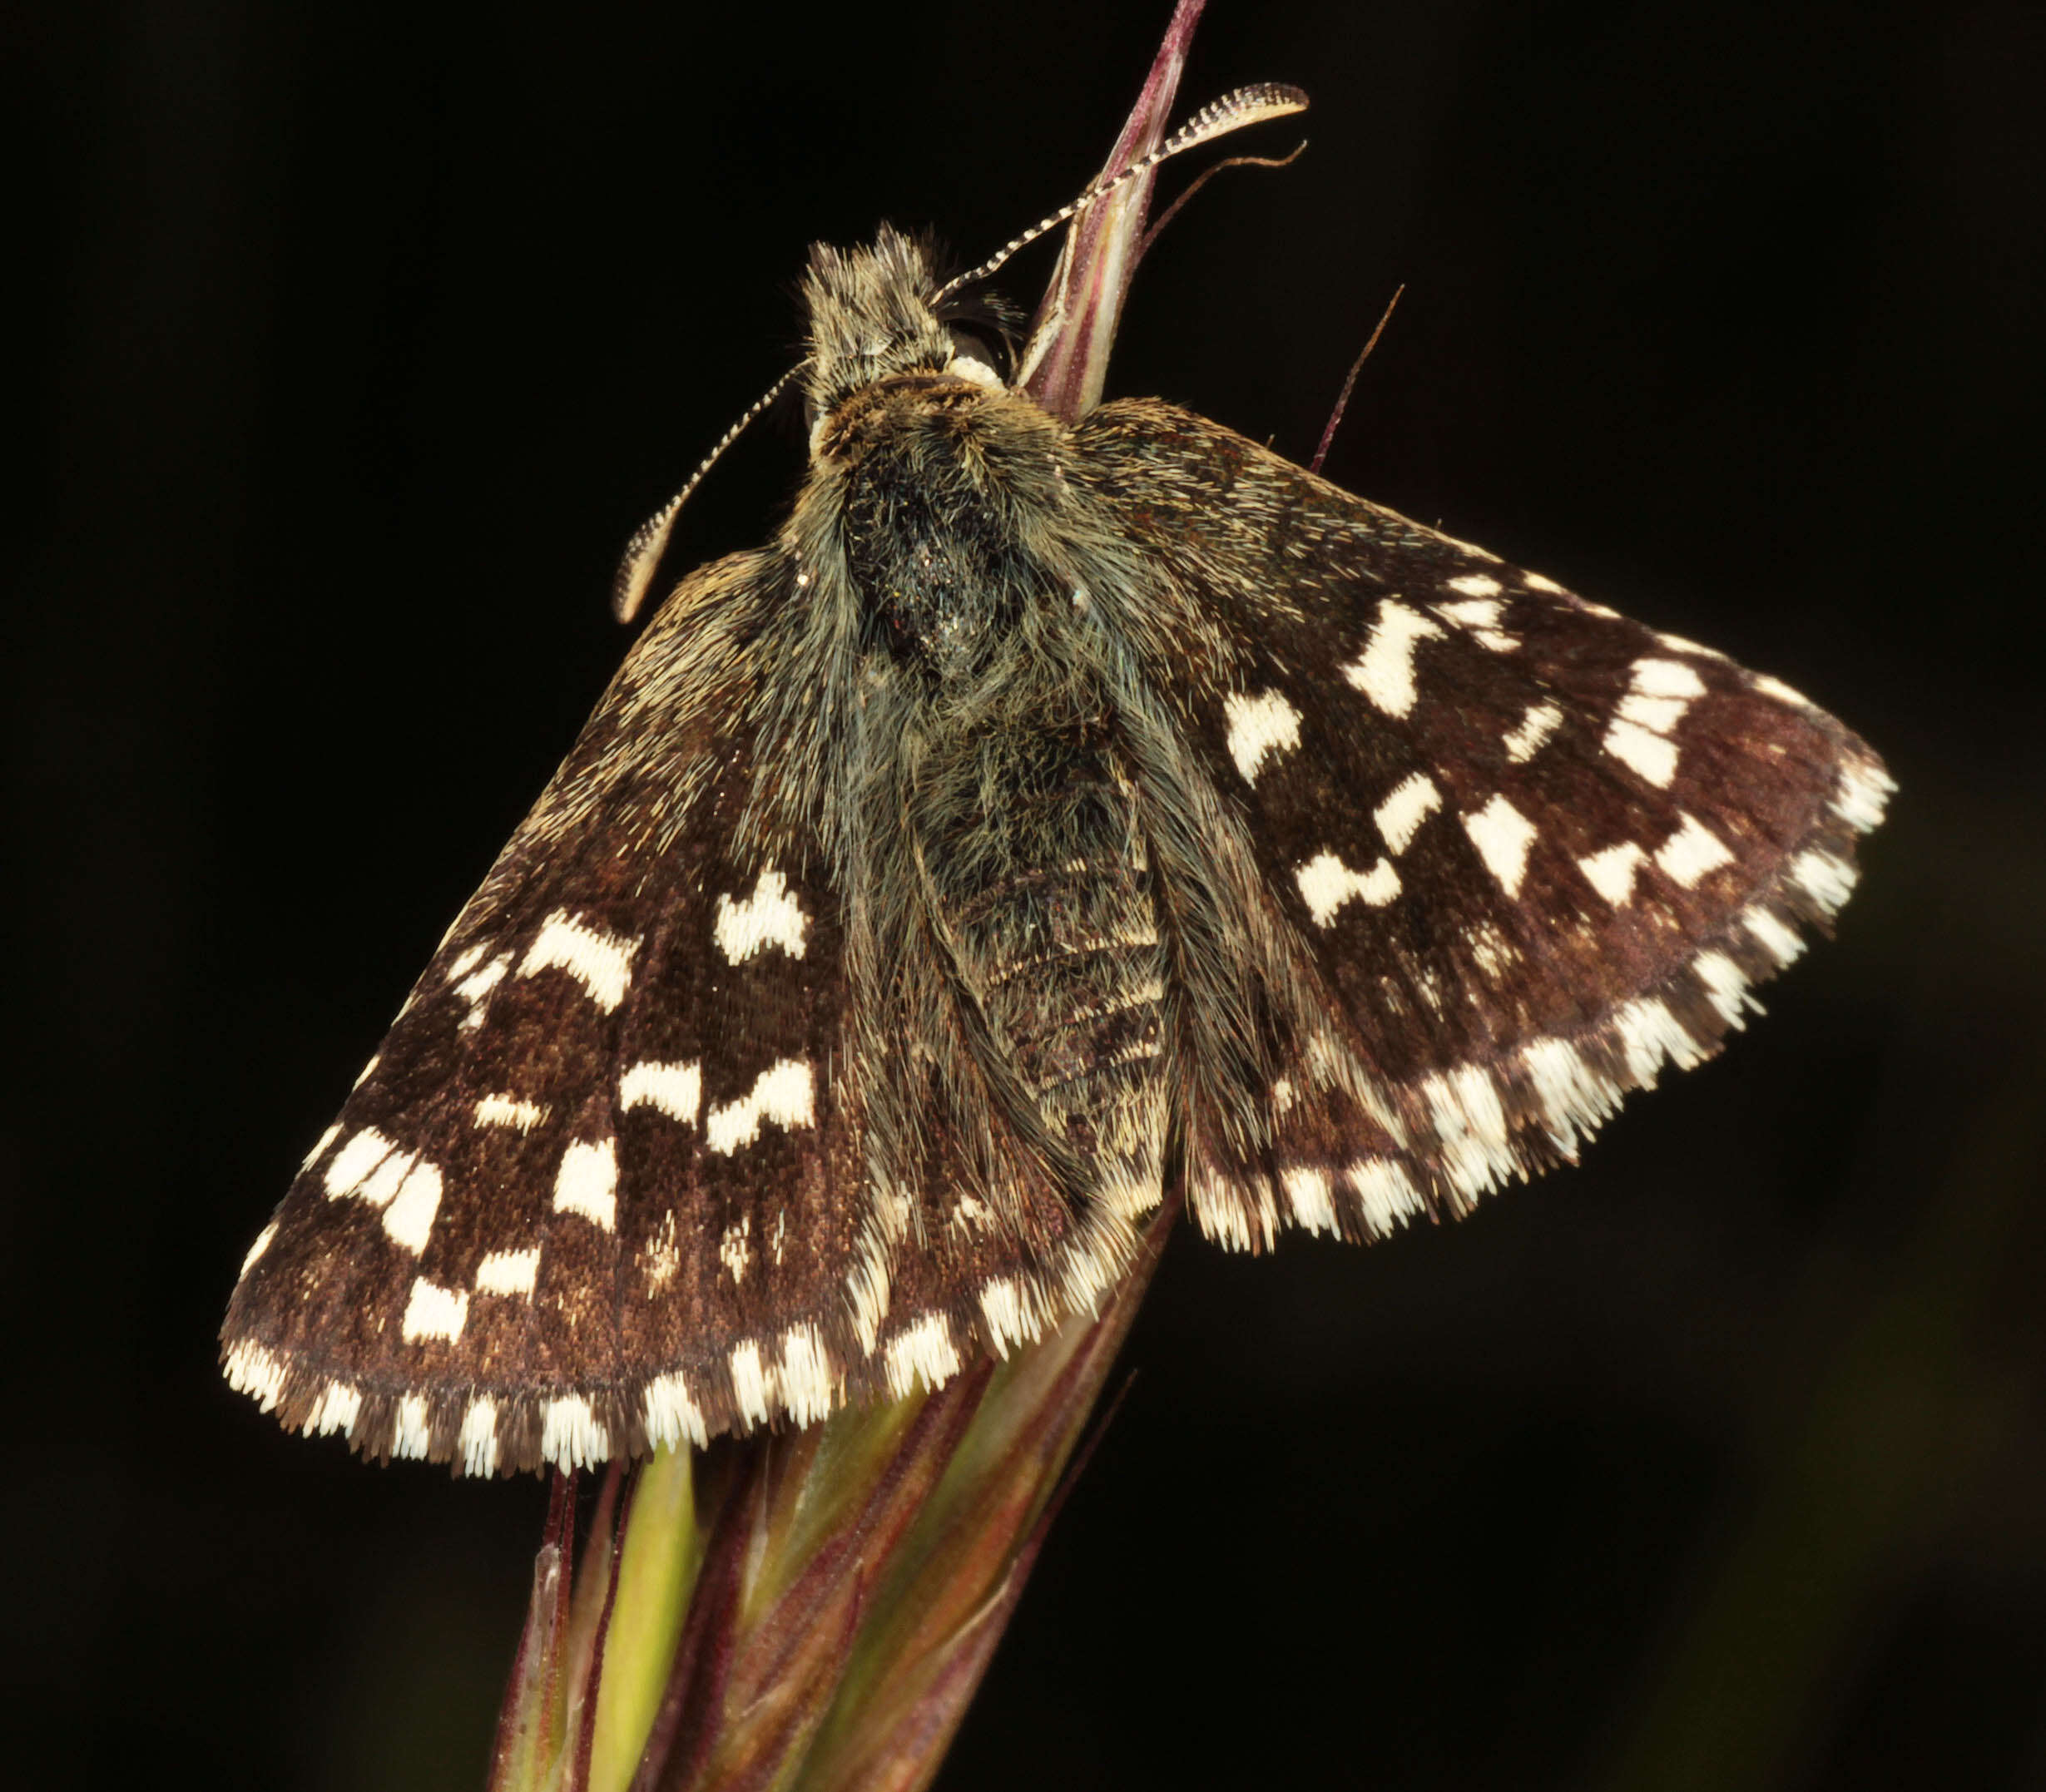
(1386, 1194)
(1862, 794)
(1779, 941)
(1503, 836)
(570, 1436)
(1649, 1033)
(409, 1218)
(1013, 1313)
(1475, 585)
(924, 1353)
(509, 1272)
(587, 1182)
(1258, 727)
(371, 1168)
(252, 1370)
(264, 1240)
(661, 1255)
(1678, 644)
(409, 1435)
(676, 1089)
(1309, 1195)
(750, 1389)
(319, 1147)
(1478, 616)
(1659, 692)
(1541, 721)
(1726, 987)
(479, 1440)
(1535, 582)
(475, 989)
(785, 1094)
(1571, 1093)
(1774, 687)
(1471, 1125)
(509, 1111)
(340, 1405)
(602, 961)
(770, 917)
(1384, 671)
(1326, 883)
(1399, 816)
(672, 1417)
(1690, 852)
(735, 1250)
(434, 1312)
(808, 1386)
(1827, 880)
(1611, 873)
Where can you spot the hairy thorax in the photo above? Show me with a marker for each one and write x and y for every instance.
(1014, 788)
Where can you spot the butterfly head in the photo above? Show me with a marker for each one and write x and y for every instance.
(874, 313)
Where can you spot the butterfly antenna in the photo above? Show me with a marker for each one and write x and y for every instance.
(1233, 111)
(642, 554)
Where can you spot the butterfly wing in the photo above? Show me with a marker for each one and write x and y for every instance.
(1513, 850)
(613, 1179)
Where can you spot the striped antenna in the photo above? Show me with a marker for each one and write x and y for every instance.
(642, 554)
(1233, 111)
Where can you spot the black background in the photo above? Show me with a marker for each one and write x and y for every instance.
(359, 339)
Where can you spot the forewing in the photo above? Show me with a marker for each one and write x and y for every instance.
(543, 1224)
(1521, 850)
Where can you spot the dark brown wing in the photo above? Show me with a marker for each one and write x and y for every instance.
(1520, 850)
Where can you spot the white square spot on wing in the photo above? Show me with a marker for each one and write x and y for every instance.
(599, 960)
(785, 1094)
(434, 1312)
(587, 1182)
(1474, 585)
(409, 1218)
(1326, 883)
(264, 1240)
(1611, 872)
(1260, 727)
(676, 1089)
(356, 1160)
(509, 1111)
(1690, 852)
(1650, 754)
(1503, 836)
(1541, 720)
(1412, 801)
(508, 1272)
(1384, 671)
(770, 916)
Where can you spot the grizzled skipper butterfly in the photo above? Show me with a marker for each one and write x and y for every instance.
(1054, 814)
